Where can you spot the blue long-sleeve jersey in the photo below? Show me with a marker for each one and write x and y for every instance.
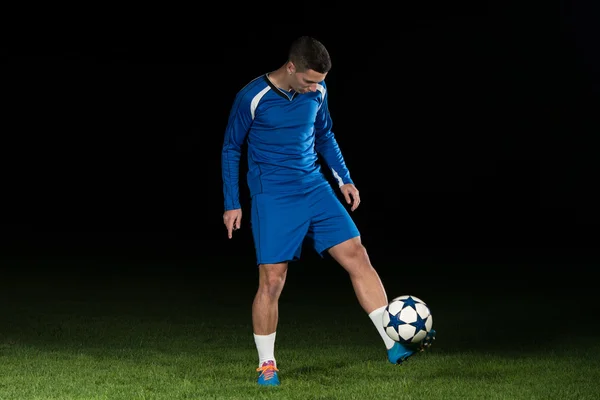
(285, 132)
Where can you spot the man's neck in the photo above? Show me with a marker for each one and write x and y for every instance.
(279, 78)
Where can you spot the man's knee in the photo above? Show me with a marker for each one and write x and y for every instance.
(350, 249)
(351, 254)
(272, 278)
(356, 250)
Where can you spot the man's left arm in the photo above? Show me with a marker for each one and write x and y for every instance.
(326, 145)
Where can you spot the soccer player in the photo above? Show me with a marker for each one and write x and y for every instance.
(284, 118)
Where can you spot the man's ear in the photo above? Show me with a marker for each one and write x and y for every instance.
(291, 68)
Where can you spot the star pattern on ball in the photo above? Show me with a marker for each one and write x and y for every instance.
(409, 302)
(419, 324)
(395, 321)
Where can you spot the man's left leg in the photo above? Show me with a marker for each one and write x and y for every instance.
(333, 230)
(353, 257)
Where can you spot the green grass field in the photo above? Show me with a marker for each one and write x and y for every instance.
(106, 335)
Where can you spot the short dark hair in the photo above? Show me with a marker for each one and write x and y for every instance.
(308, 53)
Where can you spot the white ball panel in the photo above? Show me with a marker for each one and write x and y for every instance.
(422, 309)
(408, 315)
(400, 298)
(391, 332)
(429, 323)
(406, 331)
(419, 336)
(395, 307)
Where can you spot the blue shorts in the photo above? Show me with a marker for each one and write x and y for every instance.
(282, 222)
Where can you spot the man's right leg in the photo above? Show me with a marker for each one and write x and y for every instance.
(279, 225)
(265, 314)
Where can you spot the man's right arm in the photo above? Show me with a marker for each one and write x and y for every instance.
(238, 125)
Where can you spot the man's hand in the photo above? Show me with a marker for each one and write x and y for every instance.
(351, 194)
(232, 220)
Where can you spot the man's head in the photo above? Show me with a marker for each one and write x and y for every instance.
(308, 64)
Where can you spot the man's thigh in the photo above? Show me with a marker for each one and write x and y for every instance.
(279, 226)
(331, 223)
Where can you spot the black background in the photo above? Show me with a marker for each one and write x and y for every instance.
(470, 130)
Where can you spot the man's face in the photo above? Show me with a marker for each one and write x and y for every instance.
(304, 82)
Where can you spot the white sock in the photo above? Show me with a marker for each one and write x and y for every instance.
(377, 318)
(265, 344)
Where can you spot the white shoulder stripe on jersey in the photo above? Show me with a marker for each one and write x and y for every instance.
(321, 89)
(256, 100)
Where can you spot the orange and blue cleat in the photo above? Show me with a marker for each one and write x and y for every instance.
(268, 374)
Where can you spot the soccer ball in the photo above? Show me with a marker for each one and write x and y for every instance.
(407, 319)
